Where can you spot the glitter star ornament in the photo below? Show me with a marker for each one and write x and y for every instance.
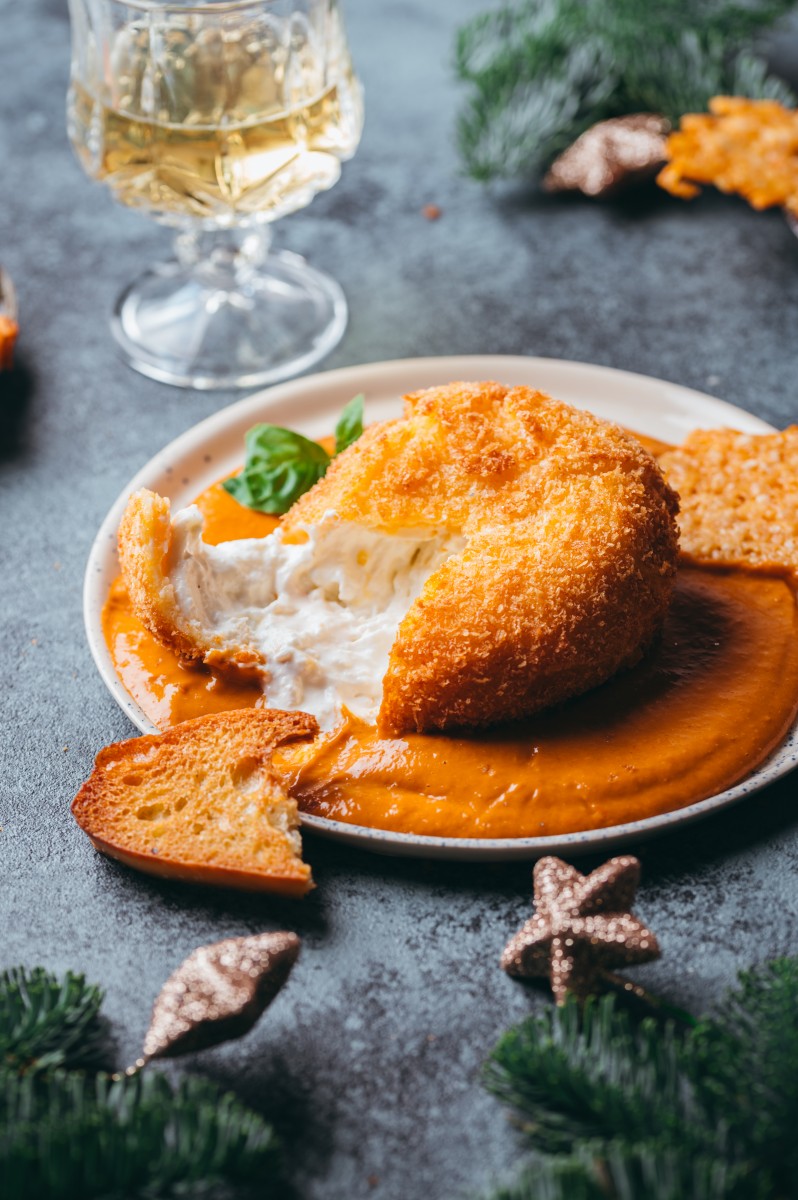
(218, 993)
(582, 928)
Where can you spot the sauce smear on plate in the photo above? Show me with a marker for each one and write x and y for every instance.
(704, 708)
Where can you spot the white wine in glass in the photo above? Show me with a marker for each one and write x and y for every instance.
(218, 118)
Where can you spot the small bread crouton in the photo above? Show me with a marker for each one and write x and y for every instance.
(202, 803)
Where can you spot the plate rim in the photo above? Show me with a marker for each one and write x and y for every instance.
(373, 838)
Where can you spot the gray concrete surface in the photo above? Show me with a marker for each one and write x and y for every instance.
(369, 1061)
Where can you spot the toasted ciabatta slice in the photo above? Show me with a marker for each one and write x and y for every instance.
(739, 498)
(202, 803)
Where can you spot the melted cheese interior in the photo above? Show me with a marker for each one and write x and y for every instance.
(321, 613)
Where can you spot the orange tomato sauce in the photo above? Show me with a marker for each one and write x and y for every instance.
(706, 706)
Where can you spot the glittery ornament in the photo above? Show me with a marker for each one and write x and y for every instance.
(218, 993)
(582, 928)
(610, 156)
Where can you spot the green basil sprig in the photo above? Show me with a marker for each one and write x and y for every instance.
(282, 465)
(350, 424)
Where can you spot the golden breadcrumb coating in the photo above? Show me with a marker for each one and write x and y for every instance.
(202, 802)
(564, 580)
(572, 546)
(739, 498)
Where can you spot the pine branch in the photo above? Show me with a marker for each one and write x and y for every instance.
(68, 1135)
(750, 78)
(739, 21)
(541, 72)
(613, 1108)
(554, 1179)
(745, 1065)
(596, 1075)
(646, 1172)
(46, 1022)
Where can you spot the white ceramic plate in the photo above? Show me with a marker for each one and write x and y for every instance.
(214, 447)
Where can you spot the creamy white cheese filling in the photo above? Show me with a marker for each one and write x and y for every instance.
(323, 614)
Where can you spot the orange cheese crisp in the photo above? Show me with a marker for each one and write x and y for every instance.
(739, 498)
(746, 147)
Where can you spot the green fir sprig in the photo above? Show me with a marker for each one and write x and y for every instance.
(71, 1133)
(541, 72)
(47, 1022)
(612, 1107)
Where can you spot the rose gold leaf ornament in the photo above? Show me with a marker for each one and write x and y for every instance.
(218, 993)
(582, 928)
(610, 156)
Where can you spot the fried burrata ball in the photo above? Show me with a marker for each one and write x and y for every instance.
(571, 549)
(566, 549)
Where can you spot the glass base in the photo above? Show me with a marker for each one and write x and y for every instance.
(211, 322)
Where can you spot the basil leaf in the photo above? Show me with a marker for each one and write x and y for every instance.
(239, 489)
(280, 467)
(350, 424)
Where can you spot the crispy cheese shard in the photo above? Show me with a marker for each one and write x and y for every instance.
(739, 498)
(746, 147)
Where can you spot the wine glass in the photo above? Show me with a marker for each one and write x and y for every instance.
(216, 119)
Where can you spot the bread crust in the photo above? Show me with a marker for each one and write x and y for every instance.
(146, 798)
(144, 543)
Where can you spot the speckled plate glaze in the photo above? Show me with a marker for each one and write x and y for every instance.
(311, 404)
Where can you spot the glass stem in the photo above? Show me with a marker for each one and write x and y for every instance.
(225, 260)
